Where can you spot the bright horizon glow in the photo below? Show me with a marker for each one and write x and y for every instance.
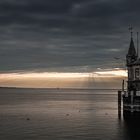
(102, 78)
(119, 72)
(106, 73)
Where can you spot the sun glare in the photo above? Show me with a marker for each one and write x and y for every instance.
(112, 73)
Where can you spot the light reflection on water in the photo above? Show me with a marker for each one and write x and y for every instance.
(62, 114)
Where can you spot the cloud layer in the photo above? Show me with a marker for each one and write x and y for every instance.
(65, 35)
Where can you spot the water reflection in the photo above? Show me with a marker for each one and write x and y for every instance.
(132, 126)
(64, 114)
(128, 126)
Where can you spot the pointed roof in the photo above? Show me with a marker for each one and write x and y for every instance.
(132, 50)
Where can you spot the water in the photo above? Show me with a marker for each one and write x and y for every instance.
(58, 114)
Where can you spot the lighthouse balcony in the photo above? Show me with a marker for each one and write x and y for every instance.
(131, 104)
(131, 107)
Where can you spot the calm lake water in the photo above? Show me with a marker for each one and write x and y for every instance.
(58, 114)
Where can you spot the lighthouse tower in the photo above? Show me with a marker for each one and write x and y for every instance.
(131, 98)
(133, 64)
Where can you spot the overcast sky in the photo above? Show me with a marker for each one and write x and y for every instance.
(65, 35)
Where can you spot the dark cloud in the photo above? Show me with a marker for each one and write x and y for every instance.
(65, 35)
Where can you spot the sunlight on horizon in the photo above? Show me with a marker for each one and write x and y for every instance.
(106, 73)
(59, 79)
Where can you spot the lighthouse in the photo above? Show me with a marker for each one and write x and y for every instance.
(131, 97)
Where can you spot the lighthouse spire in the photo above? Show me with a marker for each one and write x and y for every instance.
(131, 31)
(132, 54)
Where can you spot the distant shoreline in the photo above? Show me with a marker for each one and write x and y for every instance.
(57, 88)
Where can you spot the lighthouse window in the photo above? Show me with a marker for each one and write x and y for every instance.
(137, 73)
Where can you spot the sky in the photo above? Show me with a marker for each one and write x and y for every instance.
(64, 36)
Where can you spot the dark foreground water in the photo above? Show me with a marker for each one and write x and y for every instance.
(28, 114)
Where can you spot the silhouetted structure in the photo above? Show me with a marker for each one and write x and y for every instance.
(131, 97)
